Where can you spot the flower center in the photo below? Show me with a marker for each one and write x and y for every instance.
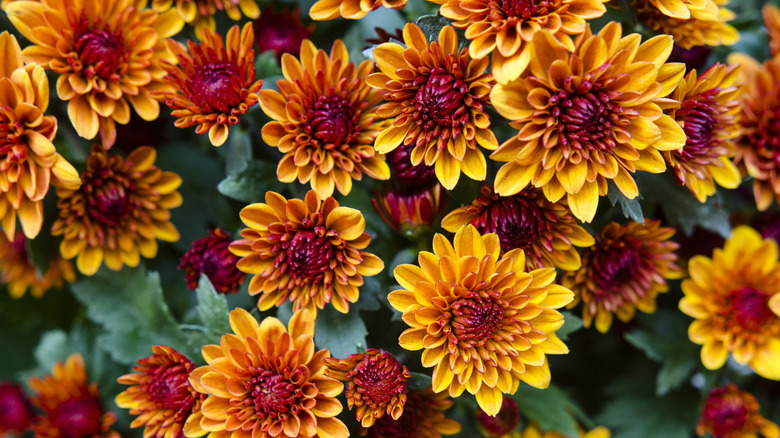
(475, 320)
(78, 417)
(617, 264)
(750, 308)
(102, 53)
(109, 198)
(766, 138)
(725, 415)
(518, 224)
(280, 395)
(405, 172)
(333, 120)
(169, 387)
(216, 87)
(378, 379)
(308, 255)
(699, 116)
(439, 102)
(586, 117)
(13, 151)
(524, 9)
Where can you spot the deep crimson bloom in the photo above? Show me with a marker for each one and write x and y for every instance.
(502, 423)
(731, 413)
(281, 32)
(16, 413)
(210, 256)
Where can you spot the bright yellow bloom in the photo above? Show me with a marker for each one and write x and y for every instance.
(483, 322)
(308, 251)
(689, 32)
(735, 301)
(352, 9)
(214, 83)
(267, 382)
(200, 13)
(324, 121)
(507, 28)
(588, 115)
(28, 160)
(707, 112)
(119, 212)
(436, 95)
(106, 54)
(20, 274)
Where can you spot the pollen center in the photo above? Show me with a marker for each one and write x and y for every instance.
(216, 87)
(475, 320)
(750, 308)
(279, 395)
(333, 120)
(699, 120)
(617, 265)
(308, 254)
(518, 224)
(767, 137)
(524, 9)
(109, 199)
(78, 417)
(439, 102)
(101, 51)
(169, 387)
(586, 118)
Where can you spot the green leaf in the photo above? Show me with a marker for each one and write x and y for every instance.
(251, 183)
(213, 311)
(631, 207)
(53, 347)
(342, 334)
(266, 65)
(571, 323)
(418, 381)
(551, 408)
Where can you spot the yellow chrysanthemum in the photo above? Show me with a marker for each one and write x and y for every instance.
(352, 9)
(507, 28)
(588, 115)
(483, 322)
(735, 300)
(324, 121)
(20, 274)
(119, 212)
(436, 96)
(308, 251)
(267, 382)
(707, 110)
(682, 9)
(689, 32)
(106, 54)
(28, 160)
(200, 13)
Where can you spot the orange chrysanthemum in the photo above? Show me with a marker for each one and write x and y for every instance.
(200, 13)
(690, 32)
(18, 272)
(264, 382)
(482, 321)
(214, 84)
(106, 53)
(707, 110)
(771, 15)
(307, 251)
(118, 213)
(682, 9)
(324, 122)
(623, 271)
(423, 417)
(28, 159)
(731, 413)
(436, 95)
(160, 394)
(736, 303)
(506, 28)
(588, 115)
(546, 231)
(534, 431)
(377, 384)
(352, 9)
(72, 407)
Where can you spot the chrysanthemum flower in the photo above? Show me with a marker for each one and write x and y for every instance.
(106, 53)
(352, 9)
(623, 271)
(411, 211)
(506, 28)
(736, 303)
(20, 274)
(423, 417)
(534, 431)
(377, 384)
(546, 231)
(160, 395)
(307, 251)
(200, 13)
(588, 115)
(213, 83)
(265, 381)
(682, 9)
(119, 212)
(71, 406)
(16, 414)
(707, 113)
(501, 424)
(689, 32)
(482, 321)
(731, 413)
(28, 160)
(324, 122)
(282, 32)
(436, 96)
(210, 255)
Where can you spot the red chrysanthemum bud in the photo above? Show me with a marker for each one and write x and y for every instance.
(503, 423)
(731, 413)
(423, 417)
(281, 32)
(210, 256)
(406, 173)
(16, 413)
(411, 212)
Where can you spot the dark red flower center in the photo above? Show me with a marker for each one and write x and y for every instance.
(405, 173)
(332, 120)
(504, 422)
(377, 379)
(407, 425)
(170, 388)
(749, 308)
(109, 197)
(282, 32)
(766, 138)
(13, 151)
(586, 117)
(525, 9)
(102, 53)
(16, 414)
(475, 320)
(439, 101)
(78, 417)
(518, 222)
(699, 118)
(308, 254)
(216, 87)
(616, 263)
(211, 256)
(724, 413)
(280, 395)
